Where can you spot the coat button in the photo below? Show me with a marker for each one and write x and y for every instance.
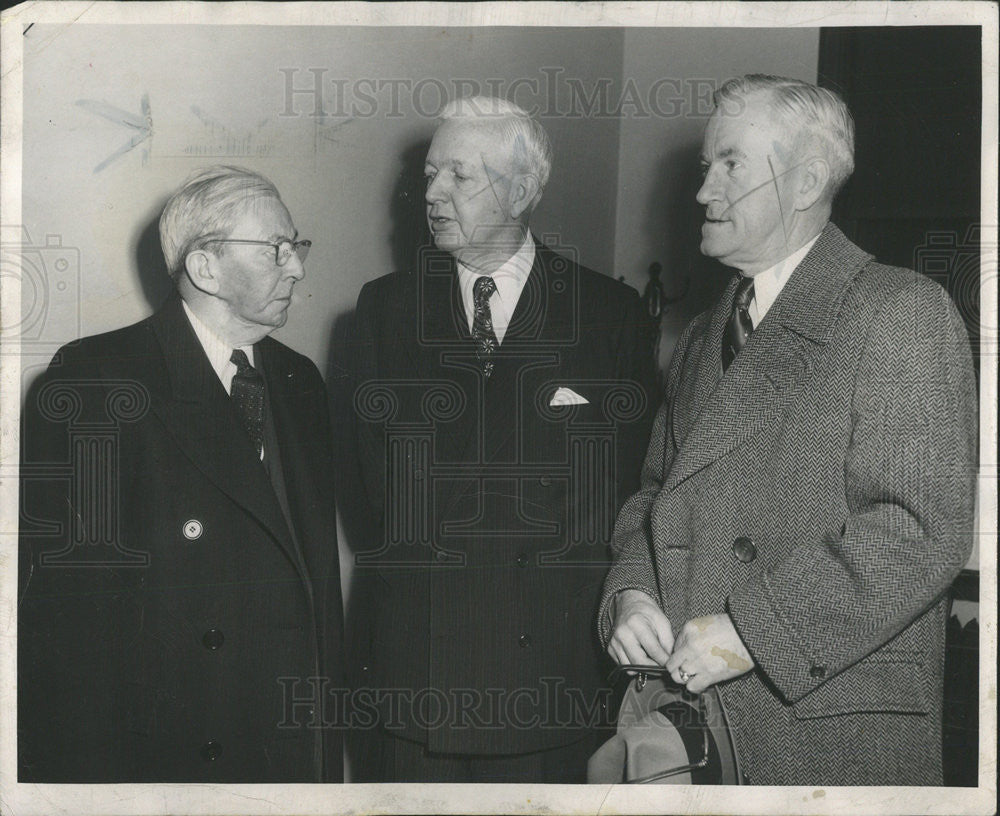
(817, 672)
(524, 641)
(418, 474)
(745, 549)
(192, 529)
(213, 639)
(211, 751)
(522, 559)
(545, 481)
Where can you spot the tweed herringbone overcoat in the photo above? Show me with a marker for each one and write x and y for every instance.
(821, 492)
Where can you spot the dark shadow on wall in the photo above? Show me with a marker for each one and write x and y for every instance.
(357, 526)
(407, 209)
(691, 282)
(152, 268)
(360, 528)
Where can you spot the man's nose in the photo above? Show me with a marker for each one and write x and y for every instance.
(708, 190)
(435, 190)
(294, 268)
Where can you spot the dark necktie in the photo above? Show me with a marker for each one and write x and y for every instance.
(739, 327)
(247, 392)
(482, 323)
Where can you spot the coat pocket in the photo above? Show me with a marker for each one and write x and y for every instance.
(895, 683)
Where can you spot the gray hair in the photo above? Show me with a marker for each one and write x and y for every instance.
(818, 114)
(524, 136)
(205, 208)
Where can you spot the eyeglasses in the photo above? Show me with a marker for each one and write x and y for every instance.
(282, 250)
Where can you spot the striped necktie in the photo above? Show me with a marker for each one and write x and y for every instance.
(739, 326)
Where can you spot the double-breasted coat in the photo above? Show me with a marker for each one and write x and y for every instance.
(494, 505)
(173, 610)
(821, 493)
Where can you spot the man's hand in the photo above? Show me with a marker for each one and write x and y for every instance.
(708, 651)
(642, 633)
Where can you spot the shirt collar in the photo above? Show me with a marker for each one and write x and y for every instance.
(767, 285)
(509, 278)
(216, 349)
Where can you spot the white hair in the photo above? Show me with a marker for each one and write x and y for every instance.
(206, 208)
(525, 137)
(817, 114)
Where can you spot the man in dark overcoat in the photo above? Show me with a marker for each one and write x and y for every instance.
(180, 610)
(503, 409)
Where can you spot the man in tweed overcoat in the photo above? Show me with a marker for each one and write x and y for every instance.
(807, 496)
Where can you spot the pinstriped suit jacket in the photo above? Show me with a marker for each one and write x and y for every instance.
(842, 443)
(483, 592)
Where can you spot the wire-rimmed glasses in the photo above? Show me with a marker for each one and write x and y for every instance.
(283, 249)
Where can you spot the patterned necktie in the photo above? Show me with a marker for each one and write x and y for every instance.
(739, 326)
(482, 323)
(248, 396)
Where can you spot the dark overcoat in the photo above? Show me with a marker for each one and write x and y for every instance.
(171, 611)
(821, 492)
(495, 507)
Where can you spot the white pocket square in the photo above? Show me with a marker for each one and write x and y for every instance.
(567, 396)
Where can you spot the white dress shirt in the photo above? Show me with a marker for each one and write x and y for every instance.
(218, 352)
(509, 279)
(767, 285)
(217, 349)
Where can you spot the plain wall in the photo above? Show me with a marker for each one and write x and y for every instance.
(625, 109)
(352, 179)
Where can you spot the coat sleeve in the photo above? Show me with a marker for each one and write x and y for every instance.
(75, 622)
(633, 567)
(368, 435)
(909, 480)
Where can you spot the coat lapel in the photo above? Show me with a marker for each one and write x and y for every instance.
(292, 427)
(198, 413)
(518, 353)
(439, 349)
(537, 321)
(717, 413)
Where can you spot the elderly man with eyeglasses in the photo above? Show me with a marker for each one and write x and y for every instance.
(180, 607)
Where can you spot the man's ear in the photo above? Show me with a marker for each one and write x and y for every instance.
(814, 179)
(522, 193)
(201, 270)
